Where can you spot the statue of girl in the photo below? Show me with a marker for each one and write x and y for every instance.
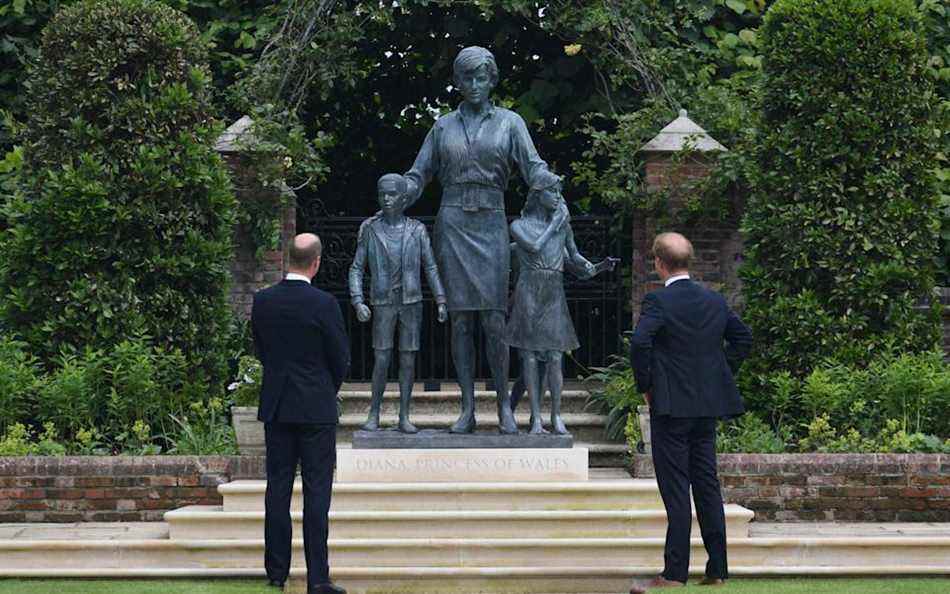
(540, 325)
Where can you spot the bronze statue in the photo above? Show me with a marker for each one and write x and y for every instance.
(540, 324)
(472, 151)
(394, 246)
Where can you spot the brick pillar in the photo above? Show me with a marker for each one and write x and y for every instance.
(248, 273)
(717, 244)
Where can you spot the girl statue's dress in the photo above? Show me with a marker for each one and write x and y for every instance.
(540, 319)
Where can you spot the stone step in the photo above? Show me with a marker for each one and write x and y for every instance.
(447, 402)
(585, 427)
(594, 495)
(476, 565)
(211, 522)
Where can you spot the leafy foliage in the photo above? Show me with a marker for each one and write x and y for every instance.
(203, 432)
(750, 434)
(122, 219)
(111, 391)
(842, 224)
(614, 392)
(19, 380)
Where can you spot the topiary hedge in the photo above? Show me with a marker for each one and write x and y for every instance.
(122, 220)
(842, 227)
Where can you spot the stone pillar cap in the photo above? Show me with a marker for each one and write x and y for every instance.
(237, 138)
(682, 134)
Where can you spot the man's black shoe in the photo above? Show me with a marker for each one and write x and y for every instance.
(327, 588)
(275, 584)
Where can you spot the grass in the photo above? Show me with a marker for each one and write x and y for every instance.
(834, 586)
(247, 586)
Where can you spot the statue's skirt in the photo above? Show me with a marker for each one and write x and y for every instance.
(473, 253)
(540, 319)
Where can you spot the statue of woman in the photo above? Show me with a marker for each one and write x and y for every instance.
(472, 152)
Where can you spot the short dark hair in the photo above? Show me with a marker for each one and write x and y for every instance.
(305, 249)
(399, 180)
(674, 250)
(470, 59)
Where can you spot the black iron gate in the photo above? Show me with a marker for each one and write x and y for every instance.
(596, 305)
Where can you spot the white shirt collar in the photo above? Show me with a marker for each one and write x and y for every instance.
(678, 277)
(296, 277)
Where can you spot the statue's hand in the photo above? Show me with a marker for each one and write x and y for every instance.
(363, 312)
(607, 264)
(443, 312)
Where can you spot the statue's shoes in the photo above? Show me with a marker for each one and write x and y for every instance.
(463, 425)
(407, 427)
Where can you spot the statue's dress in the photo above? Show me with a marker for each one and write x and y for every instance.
(473, 164)
(540, 319)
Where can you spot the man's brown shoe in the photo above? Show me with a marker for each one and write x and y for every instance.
(711, 581)
(657, 582)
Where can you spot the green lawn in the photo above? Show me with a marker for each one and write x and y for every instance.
(738, 586)
(835, 586)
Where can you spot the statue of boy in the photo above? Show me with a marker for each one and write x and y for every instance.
(394, 246)
(540, 325)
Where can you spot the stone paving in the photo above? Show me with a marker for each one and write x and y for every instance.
(84, 531)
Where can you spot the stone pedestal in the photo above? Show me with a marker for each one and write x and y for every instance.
(461, 465)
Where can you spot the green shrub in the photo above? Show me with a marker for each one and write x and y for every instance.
(911, 389)
(118, 395)
(19, 380)
(72, 396)
(842, 226)
(892, 437)
(749, 434)
(246, 388)
(123, 215)
(204, 431)
(18, 440)
(632, 433)
(614, 392)
(15, 441)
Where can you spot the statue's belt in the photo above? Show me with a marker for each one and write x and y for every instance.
(473, 197)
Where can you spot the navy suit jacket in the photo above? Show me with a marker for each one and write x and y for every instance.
(678, 356)
(302, 344)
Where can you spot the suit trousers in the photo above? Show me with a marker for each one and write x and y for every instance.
(684, 456)
(314, 447)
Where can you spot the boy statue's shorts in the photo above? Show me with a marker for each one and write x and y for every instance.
(410, 326)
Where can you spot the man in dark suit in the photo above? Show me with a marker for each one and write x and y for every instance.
(685, 372)
(302, 344)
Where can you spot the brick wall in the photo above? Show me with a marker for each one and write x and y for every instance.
(778, 487)
(248, 274)
(833, 487)
(717, 244)
(114, 489)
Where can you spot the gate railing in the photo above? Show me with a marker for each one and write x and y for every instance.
(596, 305)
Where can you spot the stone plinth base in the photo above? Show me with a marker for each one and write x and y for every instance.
(438, 439)
(461, 465)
